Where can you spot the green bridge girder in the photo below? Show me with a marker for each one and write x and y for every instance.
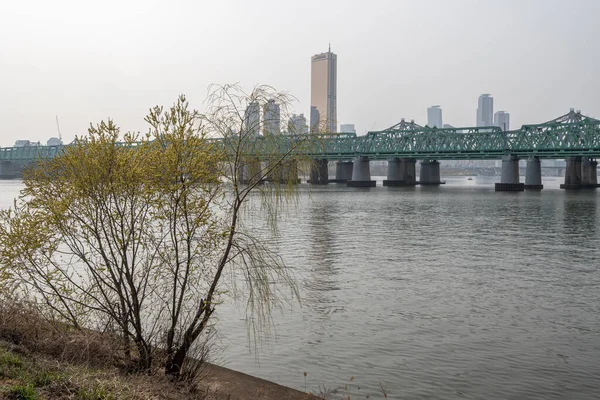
(569, 135)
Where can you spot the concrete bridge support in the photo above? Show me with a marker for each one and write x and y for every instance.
(6, 170)
(401, 172)
(290, 172)
(286, 172)
(343, 171)
(249, 171)
(319, 173)
(430, 173)
(572, 173)
(410, 170)
(533, 174)
(589, 173)
(361, 173)
(509, 180)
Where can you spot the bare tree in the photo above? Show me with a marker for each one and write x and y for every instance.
(144, 233)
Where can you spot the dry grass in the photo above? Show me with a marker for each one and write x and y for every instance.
(22, 325)
(41, 359)
(46, 360)
(26, 377)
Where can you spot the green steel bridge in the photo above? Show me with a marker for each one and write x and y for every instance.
(571, 135)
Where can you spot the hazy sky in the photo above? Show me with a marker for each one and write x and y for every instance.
(88, 60)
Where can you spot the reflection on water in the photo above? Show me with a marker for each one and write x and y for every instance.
(320, 281)
(450, 292)
(580, 213)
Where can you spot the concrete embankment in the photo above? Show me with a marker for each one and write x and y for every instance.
(228, 384)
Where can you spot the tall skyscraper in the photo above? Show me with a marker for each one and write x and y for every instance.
(271, 118)
(323, 91)
(297, 125)
(502, 119)
(434, 117)
(252, 119)
(347, 128)
(485, 110)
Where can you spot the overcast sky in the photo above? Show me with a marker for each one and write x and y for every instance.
(88, 60)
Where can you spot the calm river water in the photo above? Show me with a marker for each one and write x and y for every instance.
(433, 292)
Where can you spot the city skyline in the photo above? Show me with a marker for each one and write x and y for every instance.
(88, 62)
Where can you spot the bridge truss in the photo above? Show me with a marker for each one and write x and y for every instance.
(572, 134)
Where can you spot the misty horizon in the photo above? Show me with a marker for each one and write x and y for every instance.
(90, 62)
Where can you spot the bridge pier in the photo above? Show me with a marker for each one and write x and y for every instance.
(249, 171)
(572, 173)
(533, 174)
(509, 180)
(589, 173)
(430, 173)
(285, 173)
(290, 172)
(319, 173)
(343, 171)
(6, 170)
(361, 173)
(401, 172)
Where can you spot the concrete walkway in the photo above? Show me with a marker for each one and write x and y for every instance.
(226, 384)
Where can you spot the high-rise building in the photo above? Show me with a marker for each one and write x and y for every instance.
(314, 119)
(434, 117)
(347, 128)
(502, 119)
(323, 91)
(485, 110)
(297, 125)
(271, 118)
(252, 119)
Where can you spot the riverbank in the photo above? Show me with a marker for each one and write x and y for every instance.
(28, 376)
(40, 360)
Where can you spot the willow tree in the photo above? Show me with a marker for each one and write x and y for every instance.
(143, 234)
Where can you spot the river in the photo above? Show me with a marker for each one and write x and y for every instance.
(447, 292)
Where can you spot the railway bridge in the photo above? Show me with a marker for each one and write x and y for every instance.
(573, 137)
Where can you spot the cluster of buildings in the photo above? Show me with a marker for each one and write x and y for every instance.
(53, 141)
(323, 109)
(485, 115)
(323, 105)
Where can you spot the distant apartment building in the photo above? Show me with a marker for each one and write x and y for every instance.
(297, 125)
(323, 92)
(252, 119)
(485, 110)
(502, 120)
(434, 117)
(54, 141)
(315, 116)
(347, 128)
(271, 118)
(26, 143)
